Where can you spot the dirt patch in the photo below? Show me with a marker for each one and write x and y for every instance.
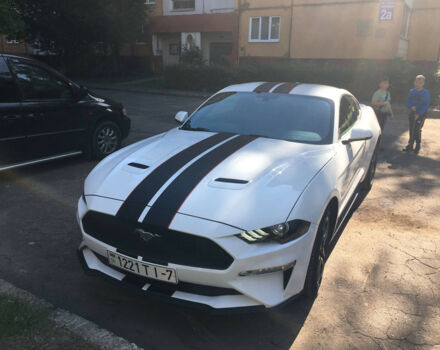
(380, 289)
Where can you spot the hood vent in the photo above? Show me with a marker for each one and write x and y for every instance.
(231, 181)
(138, 165)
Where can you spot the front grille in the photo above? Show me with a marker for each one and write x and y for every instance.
(170, 247)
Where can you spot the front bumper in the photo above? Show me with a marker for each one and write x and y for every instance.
(209, 288)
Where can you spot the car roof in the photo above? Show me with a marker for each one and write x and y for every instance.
(5, 55)
(316, 90)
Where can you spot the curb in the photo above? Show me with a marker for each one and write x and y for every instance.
(83, 328)
(165, 92)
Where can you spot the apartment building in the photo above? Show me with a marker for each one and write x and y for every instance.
(211, 25)
(11, 45)
(339, 29)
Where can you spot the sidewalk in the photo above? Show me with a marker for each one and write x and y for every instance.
(134, 87)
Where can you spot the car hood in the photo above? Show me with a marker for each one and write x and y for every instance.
(272, 175)
(96, 98)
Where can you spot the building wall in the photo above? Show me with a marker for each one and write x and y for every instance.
(264, 49)
(208, 38)
(424, 37)
(345, 31)
(155, 9)
(325, 29)
(20, 48)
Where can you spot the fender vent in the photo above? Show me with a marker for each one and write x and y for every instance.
(231, 181)
(138, 165)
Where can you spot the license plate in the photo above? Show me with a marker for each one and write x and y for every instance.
(157, 272)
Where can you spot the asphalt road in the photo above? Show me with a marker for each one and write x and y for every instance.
(380, 288)
(39, 236)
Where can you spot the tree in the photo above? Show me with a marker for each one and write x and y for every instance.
(72, 28)
(10, 20)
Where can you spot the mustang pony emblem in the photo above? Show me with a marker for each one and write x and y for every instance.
(146, 236)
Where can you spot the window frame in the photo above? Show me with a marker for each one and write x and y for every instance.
(269, 40)
(49, 71)
(183, 8)
(357, 105)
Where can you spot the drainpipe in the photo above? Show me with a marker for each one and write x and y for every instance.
(291, 28)
(238, 31)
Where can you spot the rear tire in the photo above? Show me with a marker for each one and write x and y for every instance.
(106, 139)
(315, 270)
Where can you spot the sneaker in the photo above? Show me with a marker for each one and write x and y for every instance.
(417, 149)
(407, 149)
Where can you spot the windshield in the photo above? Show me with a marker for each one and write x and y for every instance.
(278, 116)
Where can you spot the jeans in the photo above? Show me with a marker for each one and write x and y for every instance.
(382, 118)
(415, 128)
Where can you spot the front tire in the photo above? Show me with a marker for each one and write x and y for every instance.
(315, 270)
(367, 184)
(106, 139)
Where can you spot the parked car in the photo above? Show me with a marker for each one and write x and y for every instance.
(45, 116)
(237, 206)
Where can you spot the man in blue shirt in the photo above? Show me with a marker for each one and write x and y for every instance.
(417, 102)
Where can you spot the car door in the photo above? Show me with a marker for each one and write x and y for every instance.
(54, 116)
(348, 154)
(12, 122)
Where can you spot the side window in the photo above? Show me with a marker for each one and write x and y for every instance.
(37, 83)
(348, 114)
(8, 91)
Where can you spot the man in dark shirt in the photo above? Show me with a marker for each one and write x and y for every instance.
(417, 102)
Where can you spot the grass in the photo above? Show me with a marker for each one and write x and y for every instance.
(17, 317)
(27, 326)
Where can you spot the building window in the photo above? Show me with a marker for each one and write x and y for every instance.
(266, 28)
(12, 41)
(150, 2)
(404, 32)
(184, 4)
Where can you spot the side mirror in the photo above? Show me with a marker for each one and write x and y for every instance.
(181, 116)
(358, 134)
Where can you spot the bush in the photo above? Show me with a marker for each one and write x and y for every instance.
(361, 80)
(192, 55)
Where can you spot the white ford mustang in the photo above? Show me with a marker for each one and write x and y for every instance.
(238, 205)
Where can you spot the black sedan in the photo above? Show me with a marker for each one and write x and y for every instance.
(45, 116)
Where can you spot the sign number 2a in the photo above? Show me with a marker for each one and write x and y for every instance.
(386, 11)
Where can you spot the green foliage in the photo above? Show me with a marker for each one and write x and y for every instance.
(79, 29)
(362, 79)
(17, 316)
(192, 54)
(10, 20)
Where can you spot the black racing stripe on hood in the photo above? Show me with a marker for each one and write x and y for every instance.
(285, 88)
(139, 198)
(169, 202)
(265, 87)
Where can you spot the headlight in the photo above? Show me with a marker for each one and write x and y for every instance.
(281, 233)
(124, 112)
